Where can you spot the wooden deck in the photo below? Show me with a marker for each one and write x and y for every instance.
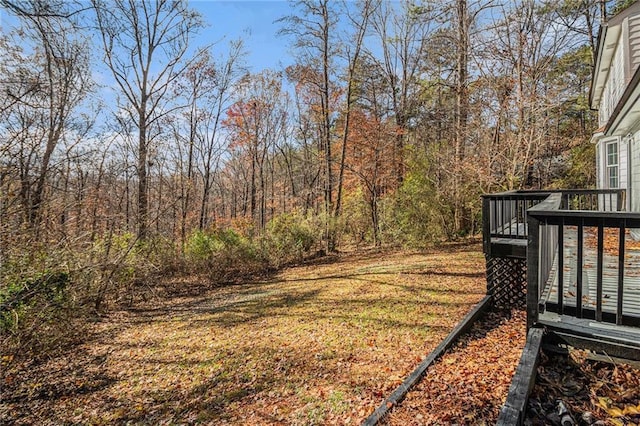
(571, 235)
(510, 240)
(574, 251)
(630, 284)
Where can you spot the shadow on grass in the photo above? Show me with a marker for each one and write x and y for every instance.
(74, 374)
(251, 307)
(245, 303)
(210, 400)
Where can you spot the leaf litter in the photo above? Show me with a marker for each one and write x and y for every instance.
(316, 344)
(592, 391)
(470, 382)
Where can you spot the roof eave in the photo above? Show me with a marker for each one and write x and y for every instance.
(601, 36)
(623, 107)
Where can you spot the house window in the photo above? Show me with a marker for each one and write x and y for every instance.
(612, 165)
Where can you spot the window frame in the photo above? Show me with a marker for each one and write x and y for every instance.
(612, 169)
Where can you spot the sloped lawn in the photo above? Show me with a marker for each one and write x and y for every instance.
(316, 344)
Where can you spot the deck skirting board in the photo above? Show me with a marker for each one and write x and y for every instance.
(507, 282)
(618, 341)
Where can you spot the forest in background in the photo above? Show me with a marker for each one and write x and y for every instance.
(394, 119)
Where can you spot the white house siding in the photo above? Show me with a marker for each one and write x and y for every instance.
(634, 194)
(623, 161)
(634, 43)
(614, 86)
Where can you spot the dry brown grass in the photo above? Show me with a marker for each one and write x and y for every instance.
(316, 344)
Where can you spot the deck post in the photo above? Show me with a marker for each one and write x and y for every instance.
(620, 196)
(486, 226)
(533, 270)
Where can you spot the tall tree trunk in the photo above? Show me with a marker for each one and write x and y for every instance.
(326, 134)
(143, 201)
(462, 112)
(362, 28)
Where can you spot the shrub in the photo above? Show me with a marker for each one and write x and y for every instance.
(45, 291)
(289, 237)
(37, 297)
(355, 221)
(415, 218)
(223, 253)
(202, 246)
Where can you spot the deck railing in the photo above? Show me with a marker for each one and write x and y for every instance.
(566, 243)
(592, 199)
(576, 246)
(505, 215)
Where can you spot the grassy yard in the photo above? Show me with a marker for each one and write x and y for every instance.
(321, 343)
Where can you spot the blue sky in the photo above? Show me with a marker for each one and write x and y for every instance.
(226, 20)
(252, 20)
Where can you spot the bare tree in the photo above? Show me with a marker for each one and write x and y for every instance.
(145, 44)
(352, 51)
(314, 30)
(206, 87)
(402, 35)
(257, 122)
(43, 90)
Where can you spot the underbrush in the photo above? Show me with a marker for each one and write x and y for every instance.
(48, 291)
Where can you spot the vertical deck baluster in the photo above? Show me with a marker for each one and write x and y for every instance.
(599, 271)
(523, 216)
(561, 267)
(520, 209)
(493, 212)
(543, 252)
(579, 262)
(503, 218)
(527, 206)
(620, 273)
(514, 215)
(497, 214)
(510, 216)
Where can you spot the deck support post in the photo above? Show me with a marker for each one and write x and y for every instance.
(533, 270)
(486, 226)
